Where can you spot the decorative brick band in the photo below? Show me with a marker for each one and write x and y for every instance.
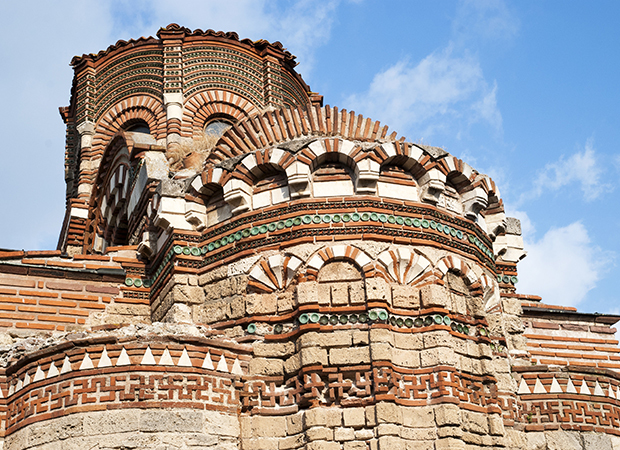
(366, 384)
(116, 376)
(350, 219)
(577, 399)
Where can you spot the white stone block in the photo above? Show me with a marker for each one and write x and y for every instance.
(338, 251)
(280, 195)
(317, 148)
(79, 212)
(362, 259)
(346, 147)
(316, 262)
(389, 149)
(276, 156)
(261, 200)
(416, 153)
(249, 162)
(393, 190)
(337, 188)
(171, 205)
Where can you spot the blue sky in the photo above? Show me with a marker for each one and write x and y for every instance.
(524, 91)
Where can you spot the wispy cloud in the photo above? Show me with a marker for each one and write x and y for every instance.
(489, 20)
(582, 167)
(486, 108)
(302, 25)
(429, 95)
(447, 91)
(562, 266)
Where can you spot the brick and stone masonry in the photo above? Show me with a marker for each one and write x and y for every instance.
(242, 267)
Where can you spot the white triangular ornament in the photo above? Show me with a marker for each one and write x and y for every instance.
(611, 393)
(11, 390)
(236, 368)
(147, 359)
(184, 360)
(539, 388)
(222, 366)
(555, 387)
(570, 387)
(39, 375)
(584, 388)
(618, 392)
(66, 366)
(598, 390)
(53, 371)
(166, 359)
(123, 358)
(523, 388)
(105, 360)
(19, 385)
(87, 363)
(207, 363)
(27, 379)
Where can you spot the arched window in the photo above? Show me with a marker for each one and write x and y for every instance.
(271, 188)
(137, 126)
(217, 127)
(332, 178)
(396, 182)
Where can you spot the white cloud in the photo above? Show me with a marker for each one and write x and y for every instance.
(440, 89)
(490, 20)
(487, 110)
(582, 167)
(562, 266)
(302, 26)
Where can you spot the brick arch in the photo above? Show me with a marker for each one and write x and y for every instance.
(270, 128)
(113, 183)
(410, 157)
(254, 165)
(403, 265)
(200, 107)
(460, 267)
(210, 180)
(274, 273)
(339, 252)
(142, 107)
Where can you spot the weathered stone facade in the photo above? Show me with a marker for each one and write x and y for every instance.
(241, 267)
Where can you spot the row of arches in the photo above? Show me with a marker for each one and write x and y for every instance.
(400, 265)
(329, 167)
(198, 111)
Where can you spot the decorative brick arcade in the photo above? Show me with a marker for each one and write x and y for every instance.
(242, 267)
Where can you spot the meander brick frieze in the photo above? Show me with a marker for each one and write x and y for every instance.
(578, 399)
(367, 384)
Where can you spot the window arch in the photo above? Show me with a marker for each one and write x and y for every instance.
(331, 177)
(217, 125)
(137, 126)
